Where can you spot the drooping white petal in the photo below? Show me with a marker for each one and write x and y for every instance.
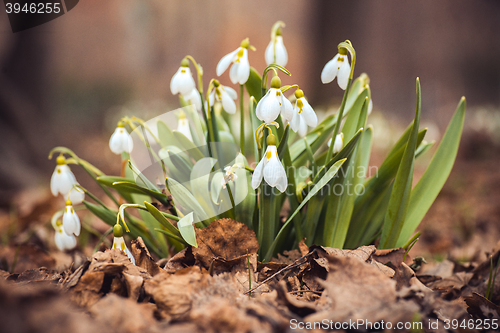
(183, 127)
(69, 241)
(194, 98)
(281, 54)
(269, 54)
(182, 81)
(295, 123)
(286, 108)
(370, 106)
(211, 98)
(119, 243)
(243, 68)
(258, 174)
(274, 173)
(231, 92)
(225, 62)
(76, 195)
(62, 180)
(269, 106)
(308, 113)
(339, 143)
(121, 141)
(302, 126)
(233, 73)
(227, 102)
(343, 75)
(58, 239)
(330, 70)
(71, 222)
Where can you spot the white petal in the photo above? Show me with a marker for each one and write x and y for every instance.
(76, 195)
(370, 106)
(62, 180)
(183, 127)
(308, 113)
(69, 241)
(243, 68)
(269, 54)
(274, 173)
(231, 92)
(58, 239)
(286, 108)
(233, 73)
(330, 70)
(257, 173)
(294, 124)
(339, 143)
(194, 98)
(121, 141)
(71, 222)
(228, 103)
(281, 54)
(54, 182)
(343, 76)
(302, 126)
(129, 255)
(182, 81)
(269, 106)
(211, 98)
(225, 62)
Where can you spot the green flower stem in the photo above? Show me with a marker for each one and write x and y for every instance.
(242, 122)
(199, 71)
(103, 240)
(93, 197)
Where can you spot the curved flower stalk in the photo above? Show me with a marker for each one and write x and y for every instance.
(270, 168)
(183, 126)
(182, 82)
(303, 114)
(276, 51)
(240, 70)
(121, 141)
(71, 222)
(62, 240)
(273, 103)
(339, 143)
(337, 67)
(63, 181)
(224, 94)
(119, 242)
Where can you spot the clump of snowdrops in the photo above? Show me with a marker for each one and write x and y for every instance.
(186, 168)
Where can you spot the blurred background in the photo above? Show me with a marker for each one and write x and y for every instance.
(67, 82)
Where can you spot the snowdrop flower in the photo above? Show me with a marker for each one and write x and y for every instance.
(71, 222)
(230, 175)
(63, 240)
(337, 67)
(183, 126)
(63, 181)
(303, 114)
(370, 106)
(224, 94)
(119, 242)
(276, 51)
(182, 82)
(120, 140)
(270, 168)
(270, 106)
(240, 71)
(339, 143)
(194, 98)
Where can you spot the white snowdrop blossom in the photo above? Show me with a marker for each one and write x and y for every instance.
(183, 126)
(182, 82)
(71, 222)
(339, 143)
(273, 103)
(303, 114)
(337, 67)
(370, 106)
(119, 242)
(270, 168)
(120, 140)
(276, 52)
(63, 240)
(63, 181)
(230, 175)
(194, 98)
(224, 94)
(240, 70)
